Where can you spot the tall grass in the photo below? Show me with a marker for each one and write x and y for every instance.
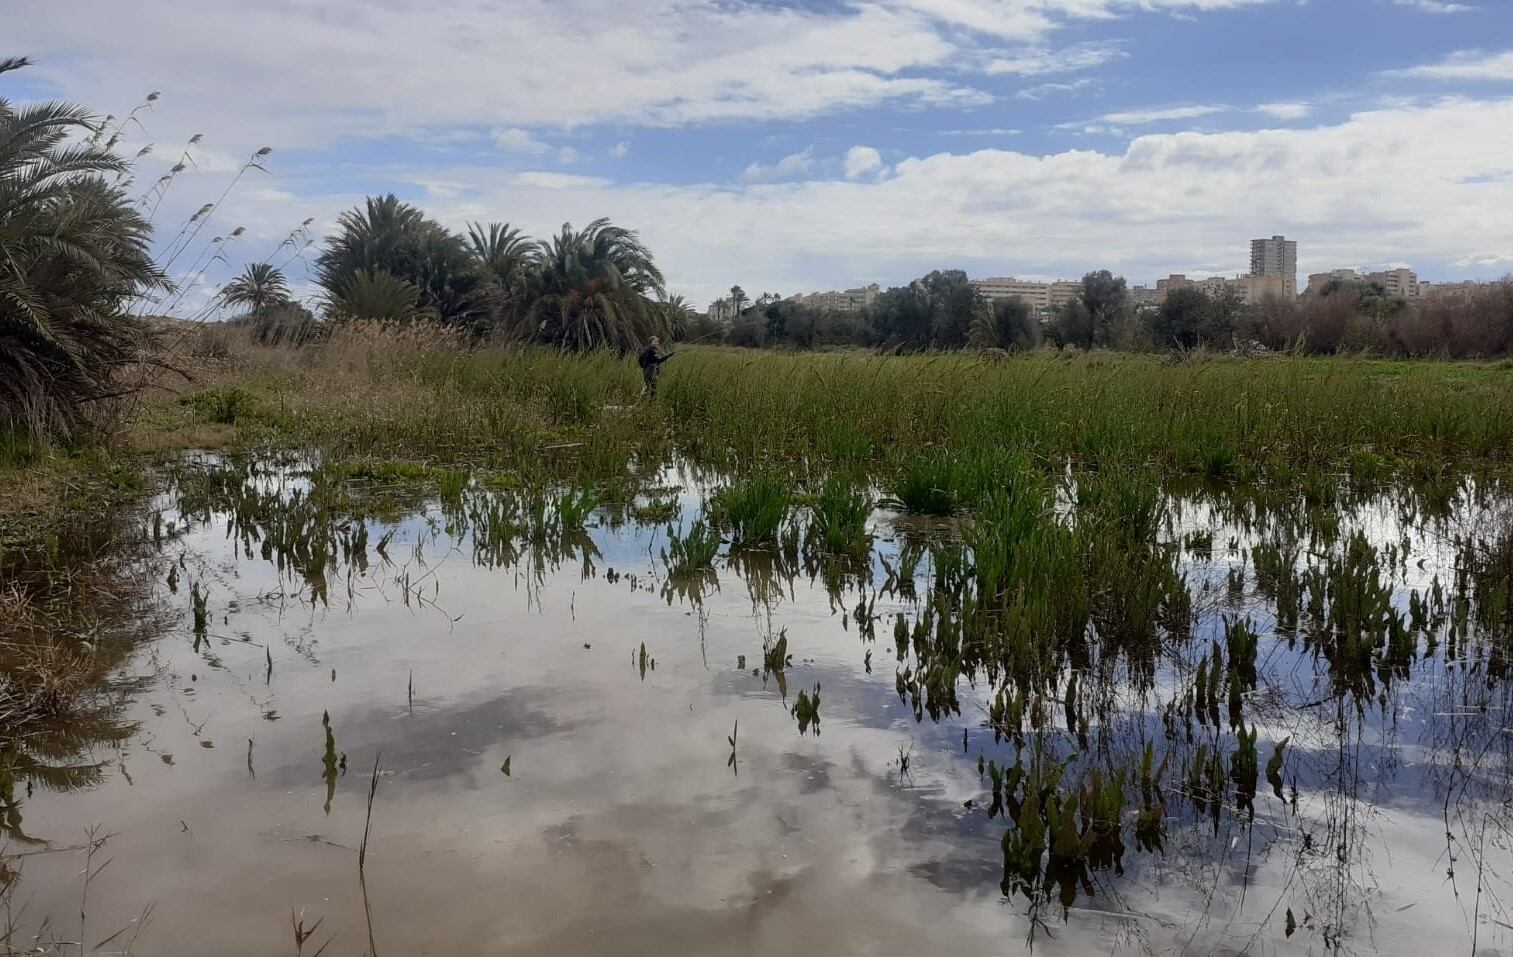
(935, 430)
(755, 509)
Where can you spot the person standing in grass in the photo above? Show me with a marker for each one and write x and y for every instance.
(651, 360)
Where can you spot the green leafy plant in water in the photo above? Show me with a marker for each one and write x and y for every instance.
(453, 482)
(839, 522)
(755, 510)
(574, 506)
(691, 552)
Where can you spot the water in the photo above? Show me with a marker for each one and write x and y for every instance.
(442, 652)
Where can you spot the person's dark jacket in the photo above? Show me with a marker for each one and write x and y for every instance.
(650, 356)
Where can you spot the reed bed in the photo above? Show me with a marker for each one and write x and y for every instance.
(933, 430)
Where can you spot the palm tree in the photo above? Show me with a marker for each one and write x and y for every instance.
(377, 295)
(679, 315)
(73, 256)
(593, 290)
(392, 237)
(259, 286)
(505, 260)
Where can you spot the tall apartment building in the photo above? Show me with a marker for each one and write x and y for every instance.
(1276, 256)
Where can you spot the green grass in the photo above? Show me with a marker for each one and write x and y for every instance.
(933, 430)
(754, 509)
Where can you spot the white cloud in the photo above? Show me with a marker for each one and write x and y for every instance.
(1465, 65)
(1039, 62)
(861, 160)
(516, 140)
(1436, 6)
(1286, 111)
(567, 155)
(1144, 117)
(794, 164)
(619, 150)
(1042, 90)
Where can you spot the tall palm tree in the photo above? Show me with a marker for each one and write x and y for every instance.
(259, 286)
(73, 256)
(393, 237)
(593, 290)
(506, 260)
(679, 315)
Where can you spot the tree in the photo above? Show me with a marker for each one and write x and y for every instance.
(505, 260)
(378, 296)
(392, 237)
(790, 322)
(954, 302)
(1006, 324)
(1106, 300)
(594, 291)
(73, 256)
(680, 318)
(1189, 318)
(1073, 325)
(259, 286)
(935, 310)
(738, 299)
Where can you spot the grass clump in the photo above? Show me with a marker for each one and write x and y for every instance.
(755, 509)
(691, 552)
(838, 523)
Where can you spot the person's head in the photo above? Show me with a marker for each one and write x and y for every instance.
(656, 342)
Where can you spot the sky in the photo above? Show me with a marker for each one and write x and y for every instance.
(800, 145)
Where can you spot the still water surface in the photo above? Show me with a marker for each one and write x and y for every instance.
(624, 827)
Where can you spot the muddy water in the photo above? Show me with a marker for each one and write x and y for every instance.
(239, 804)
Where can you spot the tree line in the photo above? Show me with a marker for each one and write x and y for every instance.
(943, 310)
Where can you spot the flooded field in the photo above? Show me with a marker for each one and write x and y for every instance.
(387, 713)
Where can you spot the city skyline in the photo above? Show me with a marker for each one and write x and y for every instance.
(816, 144)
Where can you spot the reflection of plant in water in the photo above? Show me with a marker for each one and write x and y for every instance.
(331, 764)
(776, 660)
(807, 710)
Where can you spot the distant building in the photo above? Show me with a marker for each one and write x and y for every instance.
(1318, 280)
(1064, 291)
(1452, 290)
(722, 310)
(847, 300)
(1039, 296)
(1036, 295)
(1397, 282)
(1276, 256)
(1143, 295)
(1169, 285)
